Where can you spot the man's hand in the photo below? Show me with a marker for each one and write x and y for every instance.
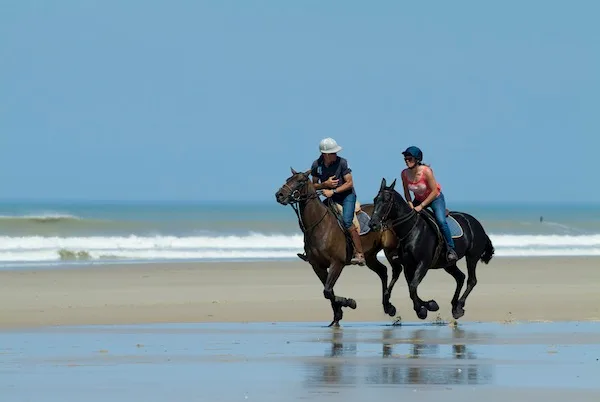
(332, 182)
(328, 193)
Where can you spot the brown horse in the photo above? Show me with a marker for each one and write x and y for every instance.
(325, 243)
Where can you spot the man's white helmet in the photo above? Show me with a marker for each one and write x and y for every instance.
(329, 146)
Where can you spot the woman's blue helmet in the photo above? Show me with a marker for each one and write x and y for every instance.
(415, 152)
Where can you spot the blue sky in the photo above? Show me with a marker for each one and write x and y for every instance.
(198, 100)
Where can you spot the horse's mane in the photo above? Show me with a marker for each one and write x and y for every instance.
(397, 196)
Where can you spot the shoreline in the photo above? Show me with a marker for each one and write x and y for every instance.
(509, 289)
(86, 264)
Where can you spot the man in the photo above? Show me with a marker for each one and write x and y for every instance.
(332, 175)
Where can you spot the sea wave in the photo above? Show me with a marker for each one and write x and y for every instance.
(40, 249)
(49, 217)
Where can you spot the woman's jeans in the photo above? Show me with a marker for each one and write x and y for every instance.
(439, 209)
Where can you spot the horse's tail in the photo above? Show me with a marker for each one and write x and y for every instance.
(488, 251)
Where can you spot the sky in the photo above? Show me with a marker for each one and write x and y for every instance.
(216, 100)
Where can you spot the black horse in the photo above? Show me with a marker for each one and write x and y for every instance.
(422, 246)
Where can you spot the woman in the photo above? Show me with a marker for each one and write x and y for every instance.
(419, 179)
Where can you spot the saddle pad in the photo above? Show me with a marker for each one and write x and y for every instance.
(455, 229)
(363, 221)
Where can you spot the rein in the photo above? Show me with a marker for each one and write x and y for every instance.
(399, 221)
(299, 197)
(403, 219)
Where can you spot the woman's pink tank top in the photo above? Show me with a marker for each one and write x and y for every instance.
(420, 188)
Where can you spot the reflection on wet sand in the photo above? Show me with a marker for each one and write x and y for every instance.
(422, 363)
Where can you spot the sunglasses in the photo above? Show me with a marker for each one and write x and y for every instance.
(409, 159)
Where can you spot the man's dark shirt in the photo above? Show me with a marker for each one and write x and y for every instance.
(339, 168)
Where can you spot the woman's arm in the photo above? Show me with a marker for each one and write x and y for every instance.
(406, 190)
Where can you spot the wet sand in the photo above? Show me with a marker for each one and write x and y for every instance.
(256, 331)
(508, 289)
(302, 361)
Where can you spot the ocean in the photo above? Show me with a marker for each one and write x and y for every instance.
(58, 233)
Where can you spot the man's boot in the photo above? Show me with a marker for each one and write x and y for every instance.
(358, 258)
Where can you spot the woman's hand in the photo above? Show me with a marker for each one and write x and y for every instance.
(328, 193)
(418, 208)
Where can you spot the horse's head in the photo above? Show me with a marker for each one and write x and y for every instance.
(388, 205)
(294, 186)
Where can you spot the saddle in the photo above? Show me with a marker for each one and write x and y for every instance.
(456, 230)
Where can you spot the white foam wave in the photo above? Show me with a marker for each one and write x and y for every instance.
(253, 246)
(43, 217)
(520, 241)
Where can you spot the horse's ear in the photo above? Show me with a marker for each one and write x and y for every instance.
(307, 173)
(393, 184)
(382, 184)
(293, 171)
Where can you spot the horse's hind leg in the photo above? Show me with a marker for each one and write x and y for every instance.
(460, 280)
(337, 302)
(381, 270)
(471, 282)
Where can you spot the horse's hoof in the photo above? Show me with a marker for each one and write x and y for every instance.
(390, 310)
(432, 306)
(457, 313)
(422, 313)
(352, 303)
(335, 324)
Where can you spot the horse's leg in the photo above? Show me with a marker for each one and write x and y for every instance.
(321, 272)
(471, 282)
(381, 270)
(418, 304)
(460, 280)
(396, 264)
(337, 302)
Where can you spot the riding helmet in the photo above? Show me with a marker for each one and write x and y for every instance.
(415, 152)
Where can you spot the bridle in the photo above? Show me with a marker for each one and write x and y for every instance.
(386, 223)
(299, 195)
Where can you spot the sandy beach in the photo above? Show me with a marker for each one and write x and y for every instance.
(509, 289)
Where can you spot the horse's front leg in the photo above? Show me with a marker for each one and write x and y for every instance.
(337, 302)
(414, 280)
(396, 263)
(381, 271)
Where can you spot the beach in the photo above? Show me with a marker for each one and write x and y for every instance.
(508, 289)
(228, 331)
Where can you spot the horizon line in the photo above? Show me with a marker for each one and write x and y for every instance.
(267, 202)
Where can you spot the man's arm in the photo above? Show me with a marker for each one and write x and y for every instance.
(327, 184)
(318, 186)
(348, 184)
